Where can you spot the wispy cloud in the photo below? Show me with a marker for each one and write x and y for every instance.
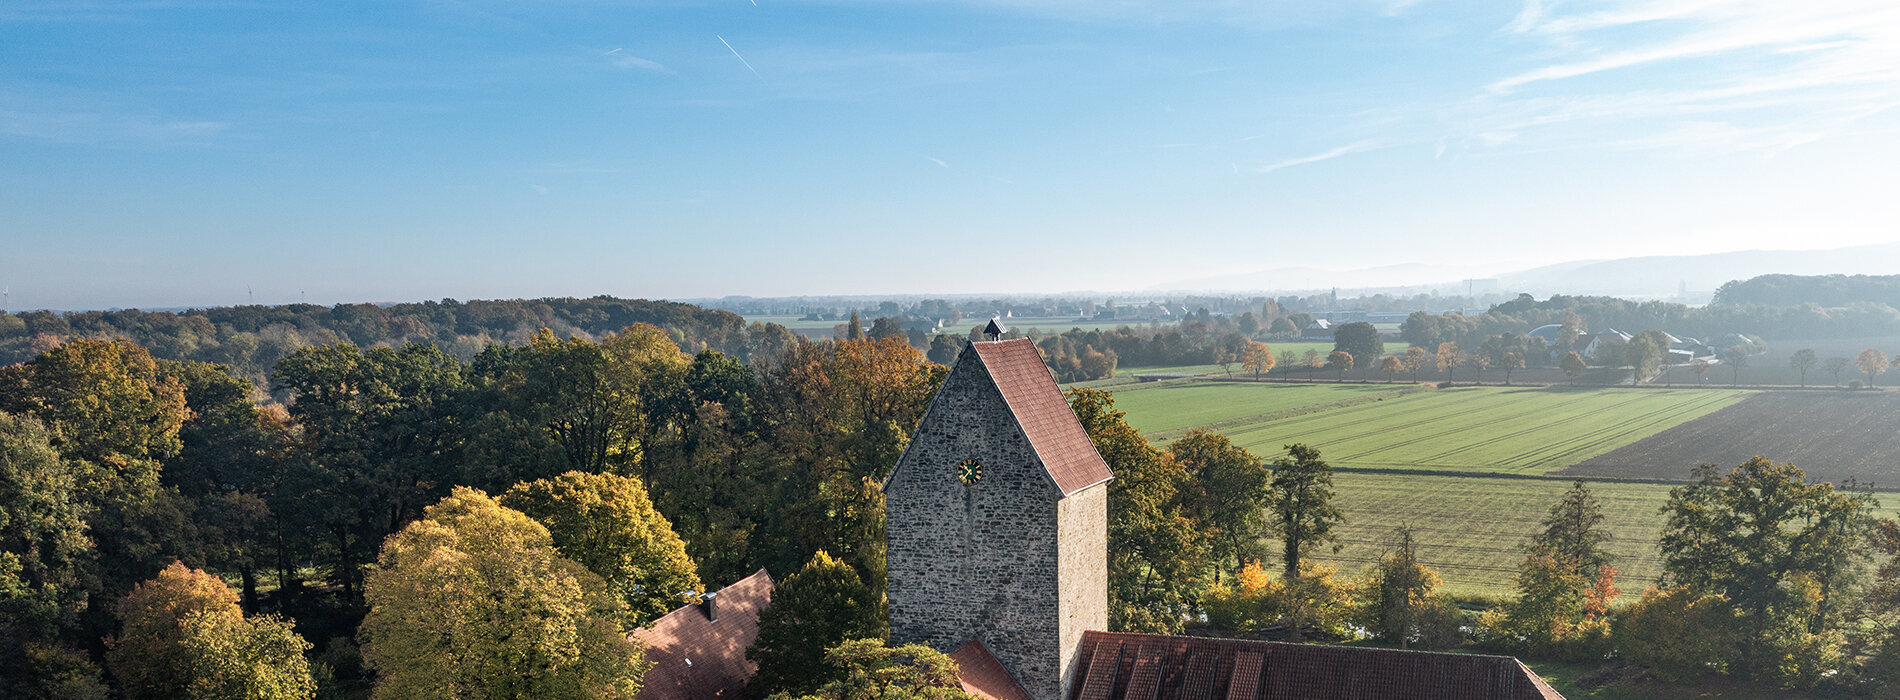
(1347, 149)
(621, 59)
(99, 128)
(939, 163)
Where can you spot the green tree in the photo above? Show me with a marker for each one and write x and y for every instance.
(1644, 354)
(1156, 552)
(606, 523)
(1572, 365)
(1359, 339)
(944, 348)
(232, 458)
(1574, 533)
(1398, 599)
(183, 635)
(867, 669)
(1802, 361)
(46, 557)
(1227, 493)
(820, 607)
(886, 327)
(1736, 358)
(1777, 549)
(473, 601)
(1301, 506)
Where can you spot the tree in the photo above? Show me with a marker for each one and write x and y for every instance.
(943, 349)
(1390, 365)
(46, 556)
(885, 327)
(1801, 361)
(605, 523)
(1511, 360)
(867, 669)
(1449, 357)
(1156, 551)
(1399, 600)
(1258, 360)
(815, 609)
(1737, 358)
(1872, 363)
(1834, 366)
(1339, 361)
(1676, 633)
(1573, 532)
(1644, 356)
(1776, 548)
(472, 600)
(1301, 509)
(1572, 365)
(1359, 339)
(183, 635)
(1414, 360)
(1227, 493)
(1478, 362)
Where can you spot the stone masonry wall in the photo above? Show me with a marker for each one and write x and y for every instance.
(1082, 540)
(980, 561)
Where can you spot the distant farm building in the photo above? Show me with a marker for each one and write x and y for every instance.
(1319, 329)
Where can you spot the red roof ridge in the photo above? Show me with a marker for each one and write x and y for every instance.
(694, 657)
(983, 676)
(1030, 391)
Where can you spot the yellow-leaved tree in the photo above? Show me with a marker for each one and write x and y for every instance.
(473, 601)
(606, 523)
(184, 636)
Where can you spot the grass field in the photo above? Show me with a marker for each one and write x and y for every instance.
(1484, 429)
(1470, 528)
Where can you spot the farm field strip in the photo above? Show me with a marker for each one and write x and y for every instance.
(1471, 528)
(1484, 429)
(1161, 408)
(1833, 436)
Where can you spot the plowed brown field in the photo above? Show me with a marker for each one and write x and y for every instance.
(1832, 435)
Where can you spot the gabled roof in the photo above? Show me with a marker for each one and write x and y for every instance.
(694, 657)
(1031, 392)
(983, 676)
(1119, 666)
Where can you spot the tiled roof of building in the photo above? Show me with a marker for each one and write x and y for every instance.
(1031, 392)
(695, 657)
(1124, 666)
(983, 676)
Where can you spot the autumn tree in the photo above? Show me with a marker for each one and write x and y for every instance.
(1564, 585)
(1259, 359)
(472, 600)
(1574, 533)
(1301, 506)
(1414, 360)
(1156, 551)
(1449, 357)
(1226, 493)
(863, 669)
(1572, 365)
(1478, 362)
(1802, 361)
(1339, 361)
(606, 523)
(1390, 365)
(815, 609)
(1777, 549)
(1872, 363)
(1511, 360)
(183, 635)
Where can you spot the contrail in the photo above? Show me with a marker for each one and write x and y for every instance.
(735, 54)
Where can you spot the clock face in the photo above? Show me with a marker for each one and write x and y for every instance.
(969, 471)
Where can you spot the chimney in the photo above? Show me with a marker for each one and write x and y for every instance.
(709, 604)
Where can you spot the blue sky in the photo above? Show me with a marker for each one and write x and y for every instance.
(167, 153)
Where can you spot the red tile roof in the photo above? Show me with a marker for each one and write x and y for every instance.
(695, 658)
(983, 676)
(1031, 392)
(1120, 666)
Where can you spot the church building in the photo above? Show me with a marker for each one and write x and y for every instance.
(997, 517)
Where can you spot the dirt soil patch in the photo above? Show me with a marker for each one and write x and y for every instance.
(1834, 436)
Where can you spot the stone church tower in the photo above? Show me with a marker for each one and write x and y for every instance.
(998, 521)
